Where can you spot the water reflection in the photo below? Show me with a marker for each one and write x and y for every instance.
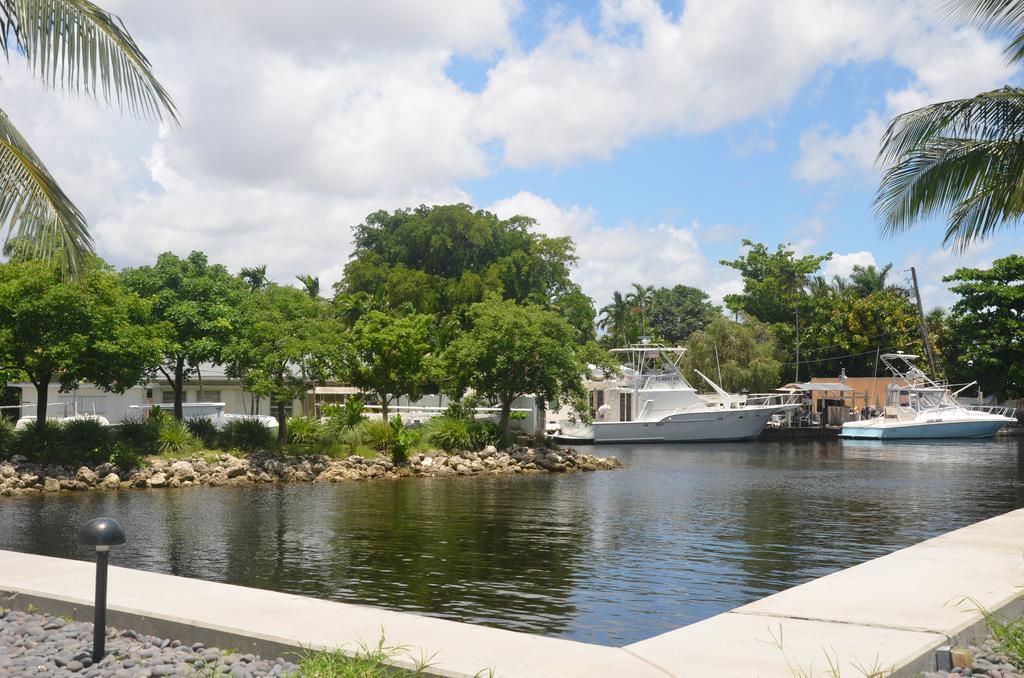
(683, 533)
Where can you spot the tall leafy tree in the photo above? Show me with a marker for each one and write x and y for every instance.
(773, 282)
(389, 355)
(679, 311)
(617, 318)
(284, 341)
(89, 329)
(511, 350)
(963, 158)
(443, 258)
(640, 301)
(775, 289)
(310, 283)
(868, 279)
(986, 326)
(255, 277)
(745, 352)
(74, 46)
(192, 302)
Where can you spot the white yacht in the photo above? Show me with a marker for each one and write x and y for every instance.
(651, 401)
(206, 410)
(918, 407)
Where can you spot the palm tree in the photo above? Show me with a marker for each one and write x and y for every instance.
(868, 279)
(311, 283)
(615, 318)
(255, 277)
(963, 157)
(77, 47)
(640, 298)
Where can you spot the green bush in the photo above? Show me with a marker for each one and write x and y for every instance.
(7, 434)
(126, 457)
(484, 433)
(304, 431)
(204, 430)
(87, 441)
(41, 442)
(138, 433)
(377, 434)
(248, 435)
(448, 433)
(174, 439)
(344, 417)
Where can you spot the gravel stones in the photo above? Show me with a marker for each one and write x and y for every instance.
(989, 660)
(34, 644)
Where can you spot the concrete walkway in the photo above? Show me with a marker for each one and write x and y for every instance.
(889, 613)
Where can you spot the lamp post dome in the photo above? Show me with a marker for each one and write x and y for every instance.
(101, 532)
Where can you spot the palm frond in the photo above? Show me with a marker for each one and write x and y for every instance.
(977, 181)
(33, 208)
(998, 114)
(77, 46)
(996, 15)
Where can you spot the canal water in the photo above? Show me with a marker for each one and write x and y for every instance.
(683, 533)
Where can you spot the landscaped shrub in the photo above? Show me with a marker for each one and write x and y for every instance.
(126, 458)
(87, 441)
(174, 439)
(138, 433)
(7, 434)
(248, 435)
(345, 417)
(204, 430)
(41, 442)
(449, 434)
(484, 433)
(304, 431)
(378, 435)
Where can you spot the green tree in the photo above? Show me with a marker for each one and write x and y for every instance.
(255, 277)
(310, 283)
(389, 355)
(961, 158)
(89, 329)
(986, 326)
(640, 302)
(869, 279)
(617, 319)
(773, 282)
(284, 341)
(745, 350)
(442, 259)
(193, 305)
(75, 46)
(679, 311)
(511, 350)
(775, 288)
(855, 327)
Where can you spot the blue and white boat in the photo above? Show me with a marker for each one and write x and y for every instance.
(916, 407)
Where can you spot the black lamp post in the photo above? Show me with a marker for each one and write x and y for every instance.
(101, 533)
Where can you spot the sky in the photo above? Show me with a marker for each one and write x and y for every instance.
(657, 135)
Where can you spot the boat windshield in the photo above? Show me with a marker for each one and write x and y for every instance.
(652, 365)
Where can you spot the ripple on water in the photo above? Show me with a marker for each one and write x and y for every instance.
(683, 533)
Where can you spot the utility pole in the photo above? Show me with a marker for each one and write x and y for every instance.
(924, 324)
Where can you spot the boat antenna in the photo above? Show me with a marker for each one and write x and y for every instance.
(924, 324)
(718, 364)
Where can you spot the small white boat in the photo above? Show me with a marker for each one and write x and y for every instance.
(916, 407)
(652, 402)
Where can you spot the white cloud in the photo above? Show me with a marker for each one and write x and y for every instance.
(614, 257)
(842, 264)
(943, 64)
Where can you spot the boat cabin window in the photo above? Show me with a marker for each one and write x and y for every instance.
(596, 401)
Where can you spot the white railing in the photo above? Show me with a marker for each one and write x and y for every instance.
(995, 409)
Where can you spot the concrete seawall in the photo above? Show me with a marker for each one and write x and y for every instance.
(889, 614)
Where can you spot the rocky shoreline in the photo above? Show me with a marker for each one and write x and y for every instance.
(19, 476)
(988, 659)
